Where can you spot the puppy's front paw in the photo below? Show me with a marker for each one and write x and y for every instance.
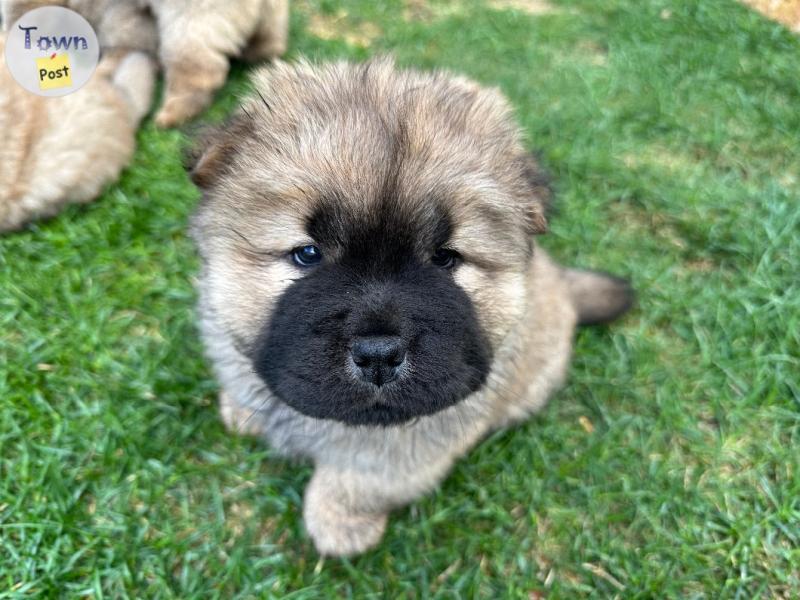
(338, 513)
(339, 533)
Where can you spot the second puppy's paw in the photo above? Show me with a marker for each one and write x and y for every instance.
(173, 113)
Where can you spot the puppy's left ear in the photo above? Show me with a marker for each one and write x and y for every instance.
(539, 194)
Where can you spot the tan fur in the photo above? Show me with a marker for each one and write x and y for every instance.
(199, 36)
(195, 39)
(322, 130)
(62, 150)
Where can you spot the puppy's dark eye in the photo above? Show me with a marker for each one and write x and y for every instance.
(445, 259)
(307, 256)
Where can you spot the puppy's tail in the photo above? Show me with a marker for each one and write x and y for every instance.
(598, 297)
(135, 77)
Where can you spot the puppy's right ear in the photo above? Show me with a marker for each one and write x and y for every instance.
(205, 158)
(209, 157)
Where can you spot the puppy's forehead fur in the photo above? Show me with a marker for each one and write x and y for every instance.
(372, 140)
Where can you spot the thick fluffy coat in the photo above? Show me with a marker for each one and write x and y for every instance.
(62, 150)
(420, 204)
(195, 39)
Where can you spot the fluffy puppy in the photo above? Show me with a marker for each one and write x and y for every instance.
(371, 296)
(56, 151)
(197, 37)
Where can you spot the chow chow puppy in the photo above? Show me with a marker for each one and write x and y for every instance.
(56, 151)
(195, 39)
(371, 297)
(198, 37)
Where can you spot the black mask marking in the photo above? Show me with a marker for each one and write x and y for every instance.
(381, 286)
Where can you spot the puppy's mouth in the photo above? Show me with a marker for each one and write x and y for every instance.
(377, 412)
(383, 406)
(350, 400)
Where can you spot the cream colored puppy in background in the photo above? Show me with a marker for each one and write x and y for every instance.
(196, 38)
(60, 150)
(63, 150)
(57, 151)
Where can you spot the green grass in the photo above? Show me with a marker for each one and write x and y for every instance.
(669, 466)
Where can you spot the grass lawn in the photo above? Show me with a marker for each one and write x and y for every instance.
(669, 466)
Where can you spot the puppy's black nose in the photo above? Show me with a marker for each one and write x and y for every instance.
(378, 358)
